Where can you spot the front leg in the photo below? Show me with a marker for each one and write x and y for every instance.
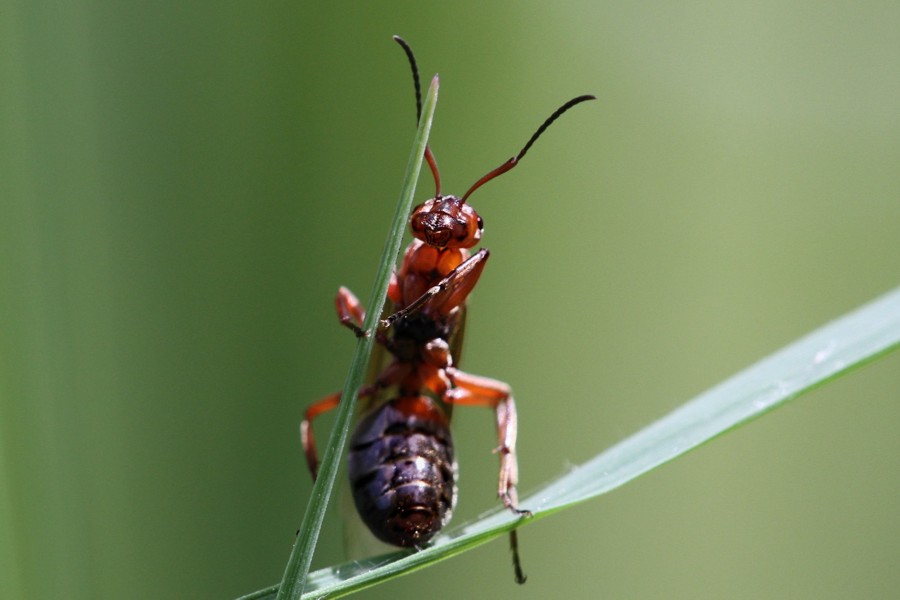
(350, 311)
(449, 292)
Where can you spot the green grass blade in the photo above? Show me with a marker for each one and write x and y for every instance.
(827, 353)
(295, 574)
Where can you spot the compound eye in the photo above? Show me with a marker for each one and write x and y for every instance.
(480, 223)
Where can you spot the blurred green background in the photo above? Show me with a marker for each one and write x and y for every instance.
(185, 185)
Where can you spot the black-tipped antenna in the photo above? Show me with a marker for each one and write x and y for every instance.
(429, 157)
(512, 162)
(415, 72)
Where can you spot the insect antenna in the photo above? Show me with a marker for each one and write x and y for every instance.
(512, 162)
(429, 157)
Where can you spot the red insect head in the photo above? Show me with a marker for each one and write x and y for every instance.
(446, 222)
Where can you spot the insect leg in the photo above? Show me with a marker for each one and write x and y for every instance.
(350, 311)
(474, 390)
(327, 403)
(307, 439)
(449, 292)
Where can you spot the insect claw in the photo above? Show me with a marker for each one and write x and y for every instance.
(508, 502)
(358, 331)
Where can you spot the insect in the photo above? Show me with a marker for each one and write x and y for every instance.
(402, 467)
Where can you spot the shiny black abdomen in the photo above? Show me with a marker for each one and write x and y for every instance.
(403, 471)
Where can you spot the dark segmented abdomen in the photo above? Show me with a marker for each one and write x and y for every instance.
(403, 471)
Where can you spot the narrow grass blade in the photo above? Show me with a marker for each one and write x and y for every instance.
(825, 354)
(295, 574)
